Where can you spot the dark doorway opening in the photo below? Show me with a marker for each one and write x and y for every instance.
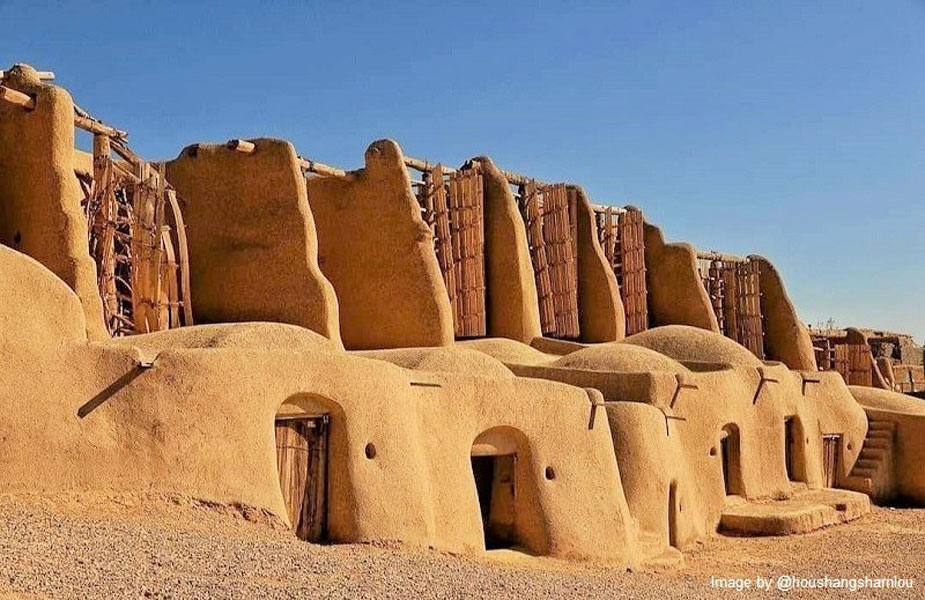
(730, 451)
(831, 447)
(790, 438)
(674, 508)
(495, 483)
(302, 462)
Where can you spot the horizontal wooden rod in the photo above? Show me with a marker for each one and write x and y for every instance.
(318, 168)
(518, 179)
(96, 127)
(603, 208)
(241, 146)
(43, 75)
(16, 97)
(720, 256)
(423, 166)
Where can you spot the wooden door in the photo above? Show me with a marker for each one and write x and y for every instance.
(301, 453)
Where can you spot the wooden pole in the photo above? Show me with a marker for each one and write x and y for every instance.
(423, 166)
(97, 128)
(318, 168)
(16, 97)
(185, 287)
(730, 258)
(242, 146)
(43, 75)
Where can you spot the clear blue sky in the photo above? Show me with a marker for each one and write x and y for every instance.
(792, 129)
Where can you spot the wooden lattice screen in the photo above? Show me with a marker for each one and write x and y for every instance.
(533, 218)
(455, 211)
(549, 214)
(824, 350)
(735, 295)
(138, 241)
(749, 321)
(853, 362)
(621, 234)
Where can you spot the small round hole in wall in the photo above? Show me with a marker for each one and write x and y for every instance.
(713, 451)
(807, 440)
(370, 451)
(850, 446)
(550, 473)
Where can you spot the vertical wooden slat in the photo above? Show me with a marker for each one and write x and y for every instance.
(557, 234)
(632, 270)
(533, 218)
(103, 227)
(750, 321)
(466, 210)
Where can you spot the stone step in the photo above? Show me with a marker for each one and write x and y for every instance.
(865, 473)
(886, 434)
(878, 443)
(859, 484)
(872, 453)
(867, 463)
(881, 425)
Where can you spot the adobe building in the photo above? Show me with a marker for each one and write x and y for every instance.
(881, 359)
(262, 413)
(439, 361)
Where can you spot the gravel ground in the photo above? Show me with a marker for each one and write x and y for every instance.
(177, 548)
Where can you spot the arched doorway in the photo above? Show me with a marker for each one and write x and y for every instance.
(494, 459)
(302, 430)
(730, 451)
(794, 449)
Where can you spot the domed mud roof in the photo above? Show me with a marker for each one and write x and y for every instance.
(878, 399)
(617, 356)
(508, 351)
(682, 342)
(446, 359)
(251, 336)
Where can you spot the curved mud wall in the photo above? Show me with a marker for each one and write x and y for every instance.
(785, 338)
(252, 242)
(676, 294)
(908, 452)
(378, 253)
(40, 213)
(199, 422)
(666, 436)
(600, 309)
(511, 297)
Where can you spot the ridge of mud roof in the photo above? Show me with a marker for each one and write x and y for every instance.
(617, 356)
(244, 336)
(878, 399)
(443, 359)
(509, 351)
(685, 343)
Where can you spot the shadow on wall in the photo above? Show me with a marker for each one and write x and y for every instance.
(109, 391)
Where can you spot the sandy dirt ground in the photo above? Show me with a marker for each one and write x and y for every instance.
(180, 548)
